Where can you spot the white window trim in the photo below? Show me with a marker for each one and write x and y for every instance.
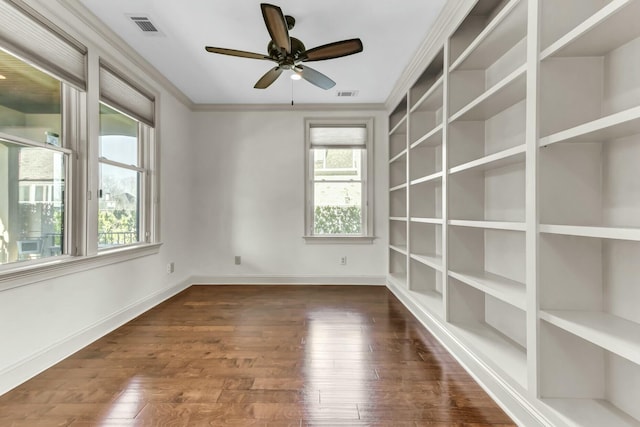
(367, 182)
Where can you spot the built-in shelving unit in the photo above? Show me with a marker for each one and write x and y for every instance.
(515, 204)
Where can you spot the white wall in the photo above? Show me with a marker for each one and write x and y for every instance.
(45, 321)
(249, 185)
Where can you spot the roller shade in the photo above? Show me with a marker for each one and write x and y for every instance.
(125, 96)
(332, 136)
(25, 33)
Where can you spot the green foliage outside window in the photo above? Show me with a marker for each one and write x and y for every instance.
(117, 227)
(337, 220)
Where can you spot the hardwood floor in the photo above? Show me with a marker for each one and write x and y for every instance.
(260, 356)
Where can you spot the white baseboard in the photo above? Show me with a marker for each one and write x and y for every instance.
(32, 365)
(288, 280)
(522, 409)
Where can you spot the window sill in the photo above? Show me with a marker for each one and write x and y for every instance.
(349, 240)
(21, 274)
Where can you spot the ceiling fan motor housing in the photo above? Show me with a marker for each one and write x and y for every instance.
(297, 47)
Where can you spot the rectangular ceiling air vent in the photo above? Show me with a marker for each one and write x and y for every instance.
(144, 23)
(347, 93)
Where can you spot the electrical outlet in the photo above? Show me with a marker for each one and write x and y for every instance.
(343, 260)
(170, 267)
(238, 260)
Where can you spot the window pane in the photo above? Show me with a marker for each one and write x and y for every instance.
(118, 136)
(118, 214)
(32, 185)
(30, 101)
(337, 164)
(337, 208)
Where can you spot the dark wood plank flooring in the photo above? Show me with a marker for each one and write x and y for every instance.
(259, 356)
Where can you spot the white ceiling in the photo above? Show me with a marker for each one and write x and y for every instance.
(391, 32)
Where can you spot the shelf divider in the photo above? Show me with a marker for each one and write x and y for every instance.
(614, 126)
(617, 335)
(493, 161)
(493, 225)
(506, 290)
(433, 177)
(431, 260)
(618, 233)
(500, 96)
(493, 37)
(398, 156)
(608, 28)
(399, 248)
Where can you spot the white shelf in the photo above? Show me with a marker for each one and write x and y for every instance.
(617, 233)
(438, 221)
(497, 38)
(499, 97)
(398, 187)
(493, 225)
(612, 333)
(398, 218)
(495, 349)
(494, 161)
(432, 99)
(399, 248)
(499, 287)
(433, 261)
(610, 27)
(399, 279)
(433, 137)
(614, 126)
(402, 121)
(433, 177)
(590, 413)
(398, 156)
(431, 301)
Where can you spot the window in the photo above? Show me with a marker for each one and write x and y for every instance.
(125, 162)
(120, 178)
(338, 188)
(48, 177)
(33, 162)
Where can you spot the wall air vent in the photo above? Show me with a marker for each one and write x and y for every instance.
(144, 24)
(347, 93)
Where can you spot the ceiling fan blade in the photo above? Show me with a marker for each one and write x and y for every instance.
(269, 77)
(333, 50)
(276, 25)
(233, 52)
(315, 77)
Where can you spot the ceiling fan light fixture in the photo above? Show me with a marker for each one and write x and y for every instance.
(295, 76)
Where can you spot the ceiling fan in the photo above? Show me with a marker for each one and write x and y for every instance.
(289, 53)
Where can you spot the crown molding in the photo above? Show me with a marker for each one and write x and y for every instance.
(115, 41)
(288, 107)
(450, 17)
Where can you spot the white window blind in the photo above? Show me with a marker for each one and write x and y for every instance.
(28, 35)
(125, 96)
(332, 136)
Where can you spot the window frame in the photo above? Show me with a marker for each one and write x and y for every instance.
(367, 163)
(68, 148)
(144, 142)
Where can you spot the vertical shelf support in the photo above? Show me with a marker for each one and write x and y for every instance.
(408, 190)
(445, 181)
(531, 197)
